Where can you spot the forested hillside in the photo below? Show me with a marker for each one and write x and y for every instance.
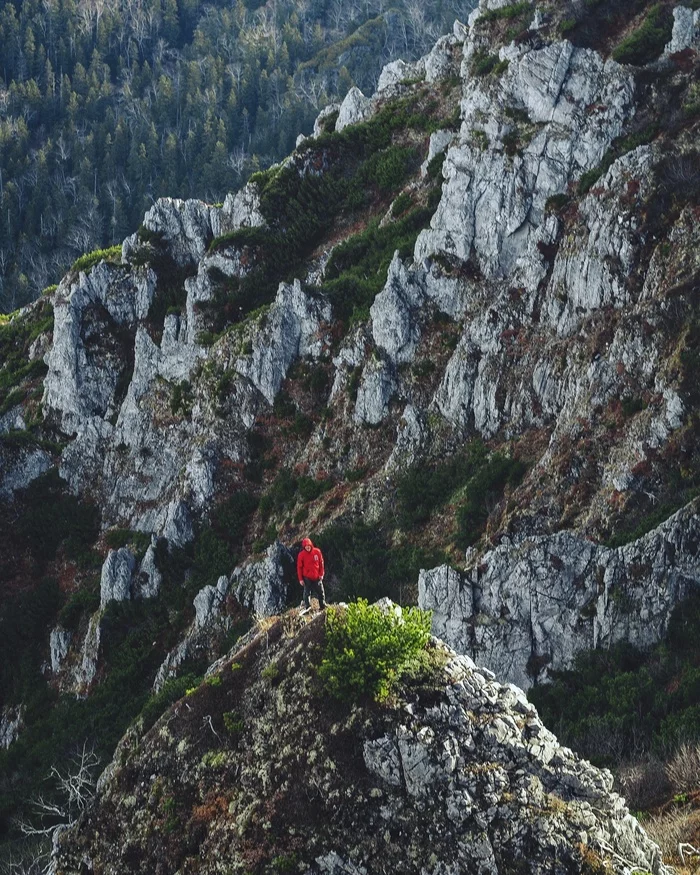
(106, 107)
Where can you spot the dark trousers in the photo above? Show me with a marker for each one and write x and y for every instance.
(314, 588)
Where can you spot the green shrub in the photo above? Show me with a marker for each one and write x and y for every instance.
(17, 333)
(85, 600)
(358, 268)
(172, 690)
(621, 699)
(85, 262)
(651, 520)
(425, 488)
(484, 488)
(367, 648)
(116, 538)
(401, 205)
(483, 63)
(182, 399)
(435, 165)
(233, 723)
(630, 406)
(506, 12)
(556, 202)
(390, 168)
(648, 41)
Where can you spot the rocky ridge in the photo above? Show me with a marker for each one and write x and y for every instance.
(547, 308)
(456, 774)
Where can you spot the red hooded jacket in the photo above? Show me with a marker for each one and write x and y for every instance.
(309, 562)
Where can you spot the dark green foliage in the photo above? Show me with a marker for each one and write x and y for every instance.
(484, 489)
(367, 649)
(301, 205)
(358, 268)
(556, 202)
(402, 203)
(24, 620)
(16, 337)
(85, 262)
(51, 517)
(362, 562)
(648, 41)
(511, 143)
(243, 238)
(173, 689)
(662, 511)
(435, 166)
(483, 63)
(181, 400)
(84, 601)
(170, 294)
(217, 547)
(506, 12)
(287, 490)
(390, 168)
(622, 700)
(633, 405)
(483, 477)
(619, 147)
(56, 726)
(231, 518)
(116, 538)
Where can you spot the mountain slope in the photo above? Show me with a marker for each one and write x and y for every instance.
(461, 316)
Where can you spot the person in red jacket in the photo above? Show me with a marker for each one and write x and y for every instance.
(310, 572)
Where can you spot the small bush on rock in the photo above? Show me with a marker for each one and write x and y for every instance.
(648, 41)
(367, 647)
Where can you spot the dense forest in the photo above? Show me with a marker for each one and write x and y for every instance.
(105, 107)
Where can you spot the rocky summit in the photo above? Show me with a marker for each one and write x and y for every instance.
(257, 770)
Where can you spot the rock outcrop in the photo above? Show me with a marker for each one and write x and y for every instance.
(261, 587)
(20, 468)
(529, 607)
(460, 777)
(11, 724)
(117, 573)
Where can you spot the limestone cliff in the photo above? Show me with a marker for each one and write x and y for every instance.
(489, 263)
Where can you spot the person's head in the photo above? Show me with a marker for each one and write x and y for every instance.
(306, 544)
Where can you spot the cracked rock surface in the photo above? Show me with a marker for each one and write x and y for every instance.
(458, 775)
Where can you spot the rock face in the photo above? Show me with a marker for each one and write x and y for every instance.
(548, 309)
(530, 607)
(465, 779)
(686, 30)
(494, 201)
(117, 573)
(261, 587)
(292, 329)
(11, 724)
(59, 642)
(149, 577)
(20, 469)
(354, 108)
